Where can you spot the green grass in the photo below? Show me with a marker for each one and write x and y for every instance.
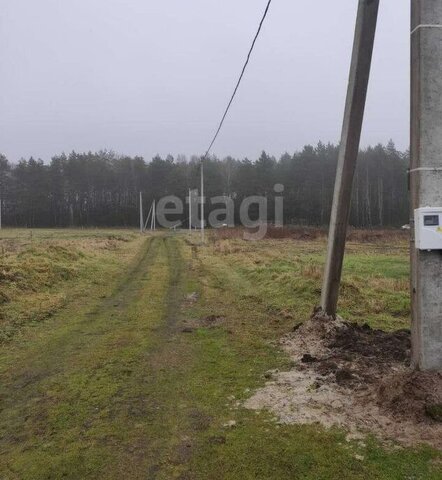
(112, 387)
(68, 389)
(244, 284)
(286, 277)
(43, 270)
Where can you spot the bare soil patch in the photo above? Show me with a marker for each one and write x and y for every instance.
(357, 378)
(211, 321)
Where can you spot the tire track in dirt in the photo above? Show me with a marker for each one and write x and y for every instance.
(128, 286)
(63, 344)
(174, 297)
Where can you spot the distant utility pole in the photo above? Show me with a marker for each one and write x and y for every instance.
(426, 178)
(349, 148)
(190, 210)
(202, 202)
(148, 217)
(141, 214)
(153, 225)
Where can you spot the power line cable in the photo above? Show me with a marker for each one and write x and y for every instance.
(239, 80)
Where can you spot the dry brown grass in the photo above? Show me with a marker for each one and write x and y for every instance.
(374, 236)
(40, 269)
(315, 272)
(390, 236)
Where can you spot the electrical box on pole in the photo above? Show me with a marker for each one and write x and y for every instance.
(428, 228)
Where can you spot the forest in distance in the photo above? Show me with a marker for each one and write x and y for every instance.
(102, 189)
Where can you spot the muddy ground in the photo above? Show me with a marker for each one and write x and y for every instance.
(356, 378)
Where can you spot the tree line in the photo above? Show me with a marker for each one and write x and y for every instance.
(102, 188)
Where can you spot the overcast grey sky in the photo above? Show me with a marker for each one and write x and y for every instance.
(143, 77)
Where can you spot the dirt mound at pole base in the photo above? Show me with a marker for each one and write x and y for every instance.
(357, 378)
(416, 394)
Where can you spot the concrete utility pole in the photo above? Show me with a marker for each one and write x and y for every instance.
(426, 178)
(351, 134)
(190, 210)
(141, 214)
(202, 202)
(153, 223)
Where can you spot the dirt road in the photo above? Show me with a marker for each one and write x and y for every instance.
(80, 399)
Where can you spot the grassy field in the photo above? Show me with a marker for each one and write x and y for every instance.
(128, 357)
(43, 270)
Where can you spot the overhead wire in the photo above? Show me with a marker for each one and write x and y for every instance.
(238, 82)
